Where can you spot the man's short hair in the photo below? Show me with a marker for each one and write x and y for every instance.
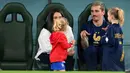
(99, 3)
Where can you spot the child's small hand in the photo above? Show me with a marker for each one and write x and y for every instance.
(71, 52)
(73, 42)
(105, 28)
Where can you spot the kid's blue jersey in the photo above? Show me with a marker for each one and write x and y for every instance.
(113, 36)
(93, 29)
(113, 55)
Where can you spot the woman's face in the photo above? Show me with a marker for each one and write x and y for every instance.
(57, 15)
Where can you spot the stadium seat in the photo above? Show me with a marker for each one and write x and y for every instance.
(15, 37)
(43, 21)
(82, 19)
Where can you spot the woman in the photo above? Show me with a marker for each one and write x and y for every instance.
(52, 17)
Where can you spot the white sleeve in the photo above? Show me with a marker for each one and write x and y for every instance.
(69, 34)
(44, 42)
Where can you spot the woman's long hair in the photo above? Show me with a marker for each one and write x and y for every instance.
(49, 19)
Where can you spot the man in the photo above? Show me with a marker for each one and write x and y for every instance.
(94, 30)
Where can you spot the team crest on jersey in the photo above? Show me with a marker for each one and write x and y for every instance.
(95, 37)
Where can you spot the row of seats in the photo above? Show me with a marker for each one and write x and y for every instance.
(16, 43)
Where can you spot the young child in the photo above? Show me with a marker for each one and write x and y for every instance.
(112, 41)
(60, 45)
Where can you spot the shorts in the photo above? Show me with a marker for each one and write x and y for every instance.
(58, 66)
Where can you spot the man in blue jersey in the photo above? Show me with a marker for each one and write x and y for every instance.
(94, 30)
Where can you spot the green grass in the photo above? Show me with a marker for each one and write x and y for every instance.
(60, 72)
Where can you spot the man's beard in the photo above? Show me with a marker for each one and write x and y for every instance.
(95, 20)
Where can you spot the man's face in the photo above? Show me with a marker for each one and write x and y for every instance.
(56, 16)
(97, 13)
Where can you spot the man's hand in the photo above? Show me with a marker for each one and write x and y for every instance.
(84, 33)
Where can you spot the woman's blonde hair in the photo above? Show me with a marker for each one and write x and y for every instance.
(60, 24)
(118, 13)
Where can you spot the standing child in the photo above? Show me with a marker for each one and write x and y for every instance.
(113, 54)
(60, 45)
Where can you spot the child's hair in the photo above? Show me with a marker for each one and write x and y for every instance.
(60, 24)
(118, 13)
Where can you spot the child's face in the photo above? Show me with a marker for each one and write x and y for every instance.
(109, 17)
